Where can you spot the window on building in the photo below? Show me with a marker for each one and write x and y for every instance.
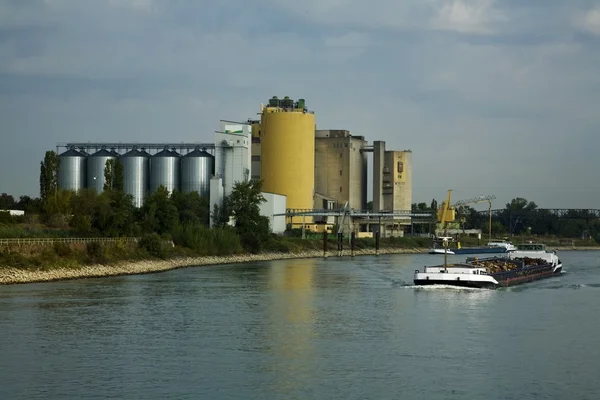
(340, 189)
(400, 166)
(340, 172)
(255, 158)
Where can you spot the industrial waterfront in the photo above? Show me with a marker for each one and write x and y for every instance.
(302, 329)
(302, 168)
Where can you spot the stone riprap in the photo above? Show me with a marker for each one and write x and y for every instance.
(9, 275)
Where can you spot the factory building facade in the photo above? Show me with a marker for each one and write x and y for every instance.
(392, 184)
(255, 150)
(341, 167)
(301, 168)
(232, 154)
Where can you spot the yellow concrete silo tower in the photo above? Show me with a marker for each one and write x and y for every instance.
(288, 152)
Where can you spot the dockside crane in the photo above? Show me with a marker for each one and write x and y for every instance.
(447, 213)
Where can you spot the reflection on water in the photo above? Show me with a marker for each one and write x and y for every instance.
(291, 322)
(339, 328)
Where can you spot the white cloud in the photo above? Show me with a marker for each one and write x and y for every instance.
(591, 21)
(468, 16)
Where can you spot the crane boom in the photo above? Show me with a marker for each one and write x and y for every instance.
(446, 213)
(480, 199)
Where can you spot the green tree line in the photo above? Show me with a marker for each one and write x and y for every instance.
(521, 216)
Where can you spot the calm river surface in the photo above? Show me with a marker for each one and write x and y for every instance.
(303, 329)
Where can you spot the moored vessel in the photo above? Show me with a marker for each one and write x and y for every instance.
(529, 262)
(492, 247)
(440, 246)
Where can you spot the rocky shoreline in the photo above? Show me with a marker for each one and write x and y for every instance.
(10, 275)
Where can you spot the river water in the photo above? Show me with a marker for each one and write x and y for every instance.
(303, 329)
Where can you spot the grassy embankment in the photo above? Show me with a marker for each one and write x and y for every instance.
(190, 242)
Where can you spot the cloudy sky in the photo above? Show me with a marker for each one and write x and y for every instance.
(493, 97)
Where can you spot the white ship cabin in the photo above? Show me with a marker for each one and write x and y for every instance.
(455, 269)
(502, 243)
(535, 250)
(531, 247)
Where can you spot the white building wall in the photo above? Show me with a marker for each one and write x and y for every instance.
(232, 154)
(275, 204)
(19, 212)
(216, 196)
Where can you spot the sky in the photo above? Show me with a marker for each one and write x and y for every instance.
(492, 97)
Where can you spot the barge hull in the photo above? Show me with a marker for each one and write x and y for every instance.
(461, 283)
(517, 280)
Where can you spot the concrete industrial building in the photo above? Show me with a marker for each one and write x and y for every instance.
(392, 183)
(255, 150)
(341, 168)
(232, 154)
(287, 153)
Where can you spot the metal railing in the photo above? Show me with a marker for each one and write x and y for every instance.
(46, 241)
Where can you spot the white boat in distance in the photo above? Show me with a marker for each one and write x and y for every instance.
(440, 245)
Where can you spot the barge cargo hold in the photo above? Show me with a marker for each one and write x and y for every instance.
(530, 262)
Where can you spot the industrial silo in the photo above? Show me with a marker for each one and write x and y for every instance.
(288, 155)
(135, 175)
(96, 163)
(164, 170)
(197, 167)
(71, 170)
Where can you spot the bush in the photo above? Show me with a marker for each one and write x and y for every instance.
(206, 241)
(95, 253)
(153, 244)
(62, 249)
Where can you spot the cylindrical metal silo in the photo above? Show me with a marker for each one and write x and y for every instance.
(135, 175)
(197, 167)
(96, 163)
(164, 170)
(71, 171)
(288, 155)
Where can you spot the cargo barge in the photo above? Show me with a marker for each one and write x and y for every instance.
(530, 262)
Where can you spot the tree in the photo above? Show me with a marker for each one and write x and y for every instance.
(520, 204)
(221, 214)
(29, 205)
(517, 213)
(114, 214)
(160, 214)
(7, 202)
(244, 203)
(192, 207)
(434, 205)
(49, 175)
(114, 175)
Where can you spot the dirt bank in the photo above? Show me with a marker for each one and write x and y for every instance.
(10, 275)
